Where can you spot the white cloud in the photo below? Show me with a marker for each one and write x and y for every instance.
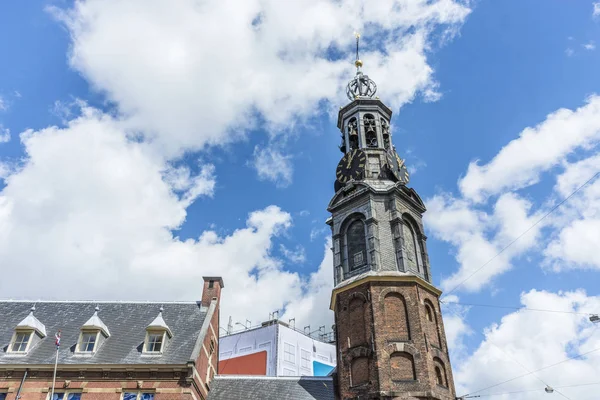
(569, 52)
(272, 165)
(313, 307)
(575, 244)
(536, 340)
(190, 75)
(479, 236)
(91, 214)
(3, 104)
(596, 11)
(4, 134)
(318, 232)
(295, 256)
(589, 46)
(521, 162)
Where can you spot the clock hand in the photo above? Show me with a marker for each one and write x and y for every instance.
(350, 160)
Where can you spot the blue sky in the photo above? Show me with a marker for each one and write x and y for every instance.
(146, 146)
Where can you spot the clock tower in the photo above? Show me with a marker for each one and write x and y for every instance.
(390, 334)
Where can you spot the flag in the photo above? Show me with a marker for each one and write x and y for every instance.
(57, 342)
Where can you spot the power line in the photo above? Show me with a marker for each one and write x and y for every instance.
(537, 370)
(537, 390)
(511, 358)
(515, 308)
(523, 234)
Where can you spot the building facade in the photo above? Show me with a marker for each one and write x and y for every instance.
(275, 349)
(390, 334)
(110, 350)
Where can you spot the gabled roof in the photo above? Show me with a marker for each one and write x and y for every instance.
(127, 322)
(31, 322)
(228, 387)
(159, 323)
(96, 323)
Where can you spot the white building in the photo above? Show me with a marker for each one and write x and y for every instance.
(275, 349)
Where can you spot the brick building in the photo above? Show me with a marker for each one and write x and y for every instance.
(390, 337)
(110, 350)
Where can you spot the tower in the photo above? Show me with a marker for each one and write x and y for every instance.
(390, 335)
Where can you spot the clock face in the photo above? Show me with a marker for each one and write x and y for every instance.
(351, 166)
(397, 167)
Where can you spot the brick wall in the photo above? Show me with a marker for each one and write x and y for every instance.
(167, 387)
(402, 347)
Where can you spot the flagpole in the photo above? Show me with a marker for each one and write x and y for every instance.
(55, 364)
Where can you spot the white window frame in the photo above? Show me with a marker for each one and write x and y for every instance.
(286, 353)
(80, 344)
(152, 332)
(307, 359)
(66, 392)
(139, 393)
(14, 340)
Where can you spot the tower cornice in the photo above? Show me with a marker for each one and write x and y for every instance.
(379, 187)
(381, 277)
(363, 103)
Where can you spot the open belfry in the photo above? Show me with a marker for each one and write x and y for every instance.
(390, 335)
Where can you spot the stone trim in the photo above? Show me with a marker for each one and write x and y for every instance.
(383, 278)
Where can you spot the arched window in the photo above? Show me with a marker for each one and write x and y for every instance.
(353, 134)
(438, 376)
(412, 248)
(359, 371)
(396, 316)
(385, 131)
(356, 245)
(440, 372)
(428, 313)
(356, 318)
(370, 130)
(402, 367)
(432, 328)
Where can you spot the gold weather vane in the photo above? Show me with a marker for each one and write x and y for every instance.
(358, 62)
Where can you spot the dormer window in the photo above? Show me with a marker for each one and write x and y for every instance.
(88, 341)
(93, 333)
(158, 334)
(155, 342)
(27, 334)
(21, 342)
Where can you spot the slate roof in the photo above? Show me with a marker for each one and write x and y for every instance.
(233, 387)
(127, 323)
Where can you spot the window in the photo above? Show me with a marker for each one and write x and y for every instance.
(155, 342)
(305, 359)
(428, 313)
(138, 396)
(211, 283)
(212, 347)
(357, 245)
(21, 342)
(438, 376)
(289, 353)
(2, 396)
(65, 396)
(88, 342)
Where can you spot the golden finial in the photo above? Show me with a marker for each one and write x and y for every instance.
(358, 63)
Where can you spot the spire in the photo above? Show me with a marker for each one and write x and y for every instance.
(96, 323)
(361, 85)
(31, 322)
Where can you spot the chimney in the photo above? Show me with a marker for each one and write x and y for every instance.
(212, 289)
